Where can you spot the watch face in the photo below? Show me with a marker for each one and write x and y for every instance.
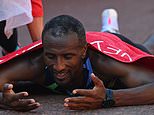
(108, 103)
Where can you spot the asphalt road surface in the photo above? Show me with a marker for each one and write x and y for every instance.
(136, 21)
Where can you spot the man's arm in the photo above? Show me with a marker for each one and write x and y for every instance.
(135, 96)
(25, 67)
(130, 75)
(93, 98)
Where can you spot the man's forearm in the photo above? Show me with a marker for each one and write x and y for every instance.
(135, 96)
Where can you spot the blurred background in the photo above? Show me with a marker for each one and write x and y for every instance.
(136, 17)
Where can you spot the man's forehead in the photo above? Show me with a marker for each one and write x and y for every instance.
(62, 45)
(70, 40)
(62, 48)
(66, 35)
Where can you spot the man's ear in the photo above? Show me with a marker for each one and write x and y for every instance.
(84, 51)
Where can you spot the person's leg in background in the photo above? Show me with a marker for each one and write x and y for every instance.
(110, 24)
(36, 26)
(8, 45)
(110, 21)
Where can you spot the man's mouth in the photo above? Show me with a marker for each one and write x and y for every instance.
(61, 76)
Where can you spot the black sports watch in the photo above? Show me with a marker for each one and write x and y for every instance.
(109, 100)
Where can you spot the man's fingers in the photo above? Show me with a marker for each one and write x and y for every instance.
(81, 106)
(97, 81)
(84, 92)
(7, 87)
(77, 106)
(33, 106)
(22, 102)
(25, 104)
(28, 102)
(90, 92)
(79, 99)
(20, 95)
(28, 107)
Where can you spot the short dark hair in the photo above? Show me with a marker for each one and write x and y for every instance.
(62, 25)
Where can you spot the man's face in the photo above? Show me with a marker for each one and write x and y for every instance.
(63, 56)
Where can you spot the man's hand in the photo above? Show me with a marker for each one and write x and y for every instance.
(16, 101)
(90, 99)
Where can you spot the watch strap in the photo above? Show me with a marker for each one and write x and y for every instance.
(109, 99)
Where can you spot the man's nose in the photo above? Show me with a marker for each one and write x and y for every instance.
(59, 65)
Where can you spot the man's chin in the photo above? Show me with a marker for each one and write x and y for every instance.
(64, 85)
(63, 82)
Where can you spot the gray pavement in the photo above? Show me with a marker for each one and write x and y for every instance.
(135, 16)
(53, 105)
(136, 22)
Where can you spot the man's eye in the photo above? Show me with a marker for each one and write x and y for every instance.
(51, 56)
(68, 56)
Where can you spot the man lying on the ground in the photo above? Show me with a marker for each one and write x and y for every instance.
(97, 76)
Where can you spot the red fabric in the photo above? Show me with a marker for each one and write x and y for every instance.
(30, 47)
(106, 43)
(114, 47)
(37, 8)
